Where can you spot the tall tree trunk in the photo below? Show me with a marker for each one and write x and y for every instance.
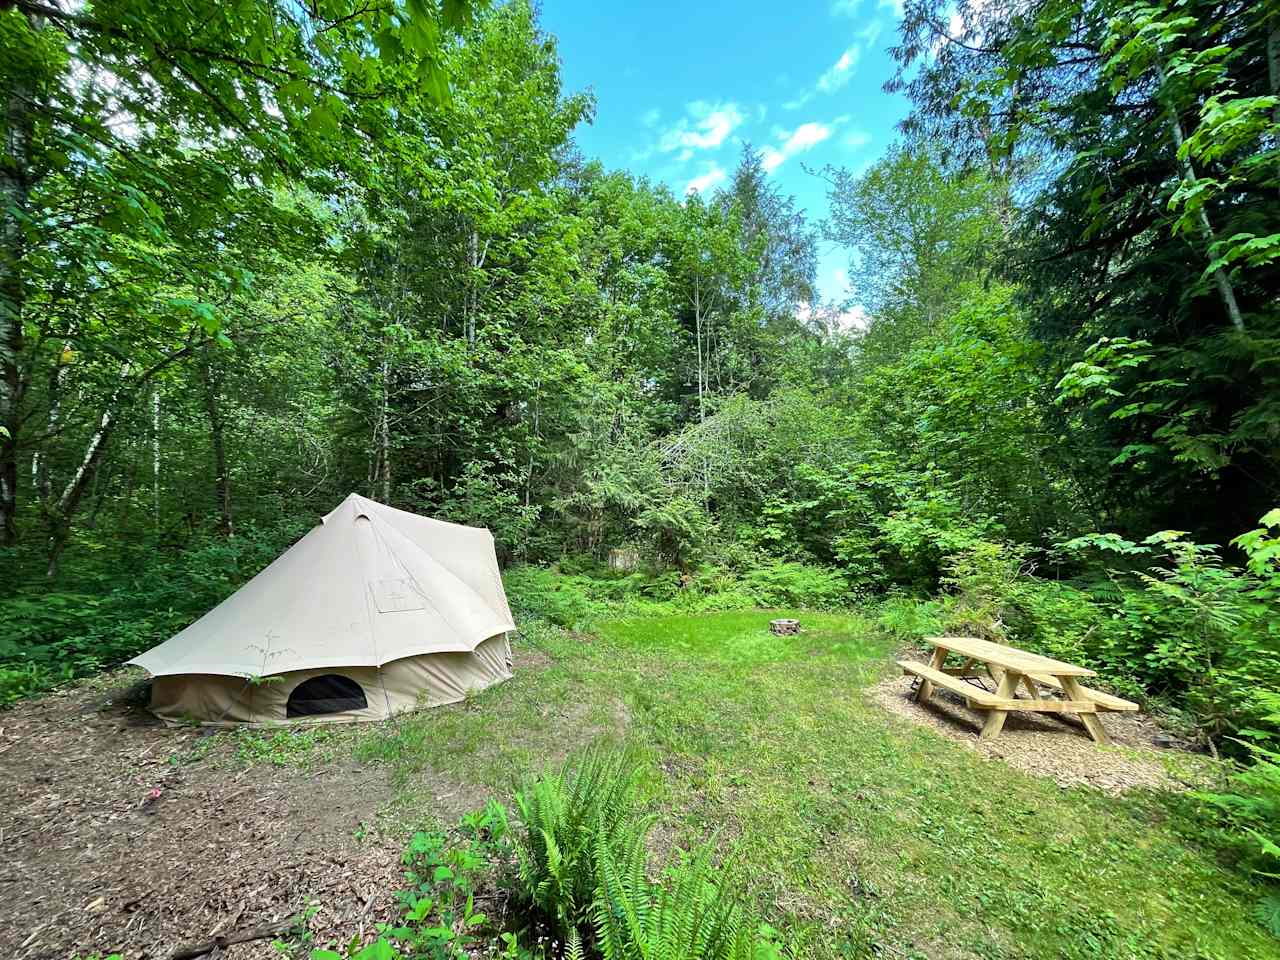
(1273, 66)
(473, 264)
(697, 331)
(16, 178)
(40, 475)
(211, 375)
(59, 515)
(380, 455)
(155, 457)
(1220, 278)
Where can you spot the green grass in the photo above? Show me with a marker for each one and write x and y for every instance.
(883, 838)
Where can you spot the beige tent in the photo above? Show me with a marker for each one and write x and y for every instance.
(373, 612)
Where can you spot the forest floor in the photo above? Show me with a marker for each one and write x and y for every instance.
(881, 825)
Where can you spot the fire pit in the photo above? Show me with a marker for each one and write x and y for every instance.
(784, 628)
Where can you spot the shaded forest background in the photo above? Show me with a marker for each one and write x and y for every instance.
(259, 256)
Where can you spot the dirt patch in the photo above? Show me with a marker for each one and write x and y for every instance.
(1054, 745)
(114, 842)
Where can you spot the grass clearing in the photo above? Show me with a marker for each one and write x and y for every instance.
(872, 832)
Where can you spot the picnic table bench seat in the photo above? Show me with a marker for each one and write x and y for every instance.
(981, 697)
(1105, 701)
(977, 696)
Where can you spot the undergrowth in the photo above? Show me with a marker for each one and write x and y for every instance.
(573, 879)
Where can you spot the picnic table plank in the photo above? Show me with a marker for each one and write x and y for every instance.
(1105, 701)
(1010, 658)
(975, 695)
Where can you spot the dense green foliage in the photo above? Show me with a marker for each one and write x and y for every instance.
(258, 255)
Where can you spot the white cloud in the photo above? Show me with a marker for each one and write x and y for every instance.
(706, 127)
(651, 117)
(870, 33)
(802, 138)
(839, 73)
(851, 319)
(855, 139)
(845, 8)
(714, 176)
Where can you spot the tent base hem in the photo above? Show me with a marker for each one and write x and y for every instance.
(400, 686)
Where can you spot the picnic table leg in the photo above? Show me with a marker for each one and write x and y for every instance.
(925, 690)
(1071, 689)
(995, 718)
(1030, 684)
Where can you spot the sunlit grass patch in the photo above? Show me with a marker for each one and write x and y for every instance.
(742, 636)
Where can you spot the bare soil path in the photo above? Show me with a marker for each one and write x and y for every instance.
(118, 838)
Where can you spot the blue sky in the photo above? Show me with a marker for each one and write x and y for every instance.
(680, 87)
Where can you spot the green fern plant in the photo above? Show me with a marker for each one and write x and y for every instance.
(1267, 912)
(692, 913)
(592, 799)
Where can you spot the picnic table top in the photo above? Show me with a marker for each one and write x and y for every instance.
(1011, 658)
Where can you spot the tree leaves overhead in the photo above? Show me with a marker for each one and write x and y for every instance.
(1143, 139)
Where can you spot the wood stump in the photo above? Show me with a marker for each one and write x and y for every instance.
(784, 628)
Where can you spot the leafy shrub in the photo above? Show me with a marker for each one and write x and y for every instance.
(917, 540)
(1197, 628)
(485, 496)
(794, 585)
(678, 528)
(907, 618)
(117, 605)
(444, 875)
(543, 593)
(1251, 810)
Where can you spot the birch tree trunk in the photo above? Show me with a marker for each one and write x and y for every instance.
(473, 263)
(211, 374)
(1223, 282)
(58, 515)
(155, 457)
(40, 476)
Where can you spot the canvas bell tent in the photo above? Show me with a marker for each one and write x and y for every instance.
(373, 612)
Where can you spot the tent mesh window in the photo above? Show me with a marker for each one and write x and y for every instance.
(330, 693)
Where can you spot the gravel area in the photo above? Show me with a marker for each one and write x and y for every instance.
(1056, 745)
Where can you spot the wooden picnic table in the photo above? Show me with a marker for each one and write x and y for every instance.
(1011, 668)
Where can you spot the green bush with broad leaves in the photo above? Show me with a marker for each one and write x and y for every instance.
(1188, 625)
(1250, 809)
